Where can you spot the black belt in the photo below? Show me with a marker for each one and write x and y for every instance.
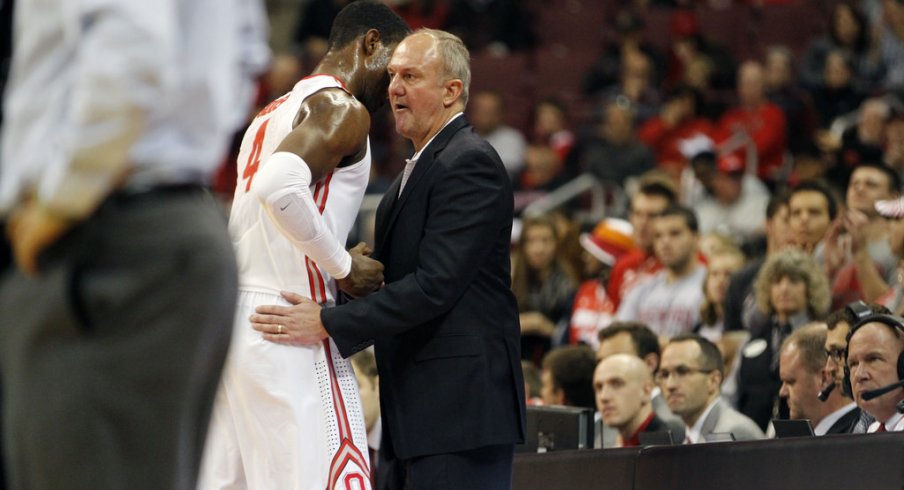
(141, 194)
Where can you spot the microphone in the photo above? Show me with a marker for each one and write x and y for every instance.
(870, 394)
(823, 394)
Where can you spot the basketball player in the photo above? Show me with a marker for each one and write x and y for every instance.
(289, 417)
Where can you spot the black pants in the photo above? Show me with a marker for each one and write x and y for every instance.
(110, 358)
(486, 468)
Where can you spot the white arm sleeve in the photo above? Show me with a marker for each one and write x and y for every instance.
(283, 185)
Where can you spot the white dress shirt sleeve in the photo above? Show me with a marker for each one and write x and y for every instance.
(125, 60)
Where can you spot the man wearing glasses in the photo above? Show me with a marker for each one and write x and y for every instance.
(690, 376)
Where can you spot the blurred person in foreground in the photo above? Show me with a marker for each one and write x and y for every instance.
(115, 324)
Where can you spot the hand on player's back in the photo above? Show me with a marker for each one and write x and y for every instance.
(366, 274)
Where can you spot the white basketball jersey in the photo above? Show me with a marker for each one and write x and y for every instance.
(268, 261)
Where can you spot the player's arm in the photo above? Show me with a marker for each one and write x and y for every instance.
(332, 125)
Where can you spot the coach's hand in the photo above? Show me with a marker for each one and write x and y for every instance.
(366, 274)
(31, 229)
(298, 324)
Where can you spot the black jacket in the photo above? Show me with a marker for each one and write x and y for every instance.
(445, 325)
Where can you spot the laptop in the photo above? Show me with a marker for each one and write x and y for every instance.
(719, 437)
(557, 428)
(792, 428)
(659, 438)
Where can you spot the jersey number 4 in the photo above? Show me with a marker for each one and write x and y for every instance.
(254, 158)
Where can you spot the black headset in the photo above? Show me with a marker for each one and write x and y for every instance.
(864, 315)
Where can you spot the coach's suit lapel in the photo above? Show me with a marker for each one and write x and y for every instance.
(426, 160)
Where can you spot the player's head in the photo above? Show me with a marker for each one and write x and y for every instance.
(376, 30)
(357, 18)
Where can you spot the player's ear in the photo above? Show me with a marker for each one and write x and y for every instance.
(371, 42)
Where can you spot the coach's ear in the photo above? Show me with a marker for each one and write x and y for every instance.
(371, 42)
(452, 90)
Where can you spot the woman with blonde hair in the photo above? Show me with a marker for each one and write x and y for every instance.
(792, 289)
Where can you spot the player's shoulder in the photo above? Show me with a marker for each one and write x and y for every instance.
(337, 103)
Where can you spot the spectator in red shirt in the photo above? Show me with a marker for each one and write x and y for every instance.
(593, 310)
(678, 120)
(762, 121)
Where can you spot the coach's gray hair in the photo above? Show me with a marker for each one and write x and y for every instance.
(456, 58)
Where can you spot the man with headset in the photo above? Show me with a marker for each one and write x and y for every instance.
(875, 361)
(839, 325)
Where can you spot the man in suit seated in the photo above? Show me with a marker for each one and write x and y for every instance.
(623, 385)
(802, 369)
(690, 375)
(638, 340)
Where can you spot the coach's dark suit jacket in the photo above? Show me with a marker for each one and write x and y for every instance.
(445, 326)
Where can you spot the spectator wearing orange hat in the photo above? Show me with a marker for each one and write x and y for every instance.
(593, 310)
(737, 201)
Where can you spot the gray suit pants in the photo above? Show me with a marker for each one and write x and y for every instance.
(110, 358)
